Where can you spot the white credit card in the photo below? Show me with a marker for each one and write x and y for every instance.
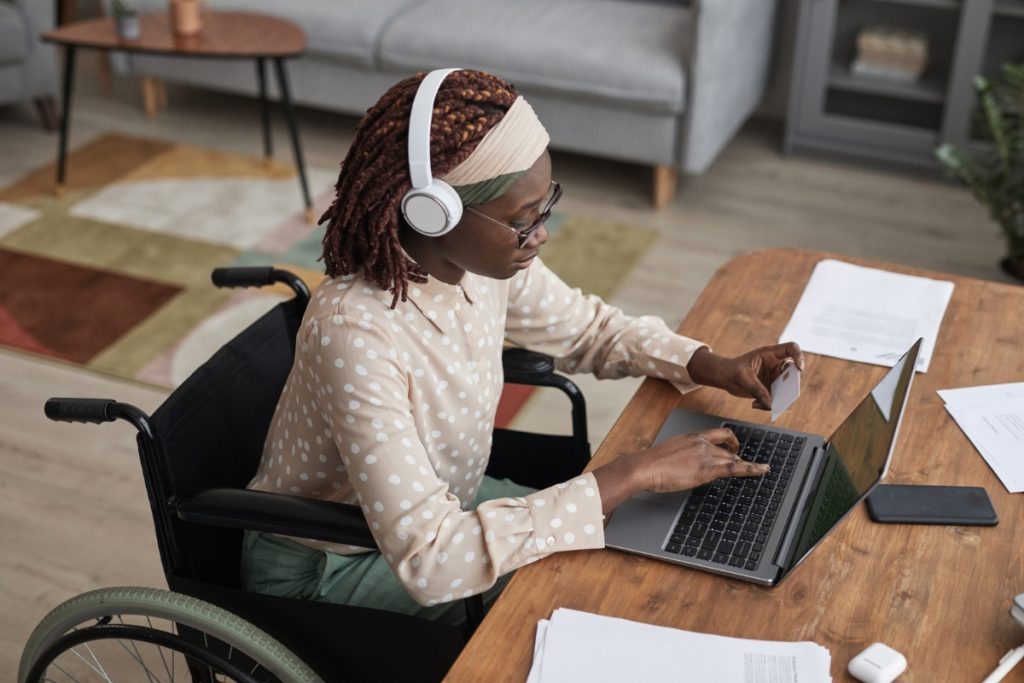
(785, 390)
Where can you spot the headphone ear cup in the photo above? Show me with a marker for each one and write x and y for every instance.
(433, 210)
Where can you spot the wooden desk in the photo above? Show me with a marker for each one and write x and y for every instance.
(941, 595)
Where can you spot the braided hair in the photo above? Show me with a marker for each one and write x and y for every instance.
(362, 232)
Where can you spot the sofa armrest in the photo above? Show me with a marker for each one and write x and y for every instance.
(278, 514)
(731, 55)
(41, 65)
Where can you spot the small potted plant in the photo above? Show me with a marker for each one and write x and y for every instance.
(126, 19)
(996, 176)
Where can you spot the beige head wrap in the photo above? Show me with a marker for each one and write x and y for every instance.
(502, 157)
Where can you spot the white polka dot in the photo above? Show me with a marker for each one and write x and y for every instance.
(421, 583)
(442, 557)
(339, 363)
(378, 506)
(361, 371)
(590, 492)
(571, 507)
(358, 342)
(457, 538)
(589, 529)
(325, 341)
(570, 538)
(370, 459)
(405, 521)
(556, 522)
(395, 479)
(456, 583)
(354, 405)
(405, 505)
(470, 556)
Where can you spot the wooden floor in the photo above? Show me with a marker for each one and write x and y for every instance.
(73, 514)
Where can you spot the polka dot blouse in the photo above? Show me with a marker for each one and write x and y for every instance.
(393, 410)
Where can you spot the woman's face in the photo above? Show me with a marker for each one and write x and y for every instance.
(480, 246)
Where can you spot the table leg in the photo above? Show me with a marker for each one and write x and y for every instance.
(268, 140)
(289, 115)
(62, 141)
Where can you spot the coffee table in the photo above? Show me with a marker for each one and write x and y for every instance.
(225, 35)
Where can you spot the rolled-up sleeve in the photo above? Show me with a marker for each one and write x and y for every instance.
(585, 334)
(438, 550)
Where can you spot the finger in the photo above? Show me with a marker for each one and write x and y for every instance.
(738, 467)
(793, 349)
(757, 390)
(788, 351)
(759, 405)
(724, 437)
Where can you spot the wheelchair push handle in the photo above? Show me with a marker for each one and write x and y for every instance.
(249, 276)
(95, 410)
(259, 276)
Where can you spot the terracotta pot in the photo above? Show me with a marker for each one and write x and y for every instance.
(186, 17)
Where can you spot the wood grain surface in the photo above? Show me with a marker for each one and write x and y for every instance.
(224, 34)
(938, 594)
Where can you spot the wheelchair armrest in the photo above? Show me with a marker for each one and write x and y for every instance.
(276, 513)
(526, 367)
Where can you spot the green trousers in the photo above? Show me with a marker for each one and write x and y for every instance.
(278, 566)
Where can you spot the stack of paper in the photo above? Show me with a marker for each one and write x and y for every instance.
(579, 646)
(868, 315)
(992, 417)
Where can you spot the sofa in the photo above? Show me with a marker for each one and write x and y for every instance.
(663, 83)
(28, 67)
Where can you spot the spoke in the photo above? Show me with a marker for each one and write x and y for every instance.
(138, 655)
(89, 664)
(161, 651)
(93, 655)
(58, 668)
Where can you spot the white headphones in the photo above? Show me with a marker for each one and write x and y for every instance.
(431, 207)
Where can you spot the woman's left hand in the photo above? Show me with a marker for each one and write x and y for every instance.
(748, 375)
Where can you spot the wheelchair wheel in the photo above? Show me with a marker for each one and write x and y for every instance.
(151, 635)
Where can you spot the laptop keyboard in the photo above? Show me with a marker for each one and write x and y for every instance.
(728, 521)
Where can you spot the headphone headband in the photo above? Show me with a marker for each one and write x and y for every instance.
(419, 127)
(431, 207)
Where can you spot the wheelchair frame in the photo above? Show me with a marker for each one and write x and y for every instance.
(235, 508)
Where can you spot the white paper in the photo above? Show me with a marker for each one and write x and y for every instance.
(868, 315)
(584, 647)
(992, 417)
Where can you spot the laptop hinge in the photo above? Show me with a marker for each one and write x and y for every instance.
(796, 522)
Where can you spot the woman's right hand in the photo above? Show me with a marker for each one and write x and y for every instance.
(678, 463)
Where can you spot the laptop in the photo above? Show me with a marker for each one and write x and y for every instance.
(759, 529)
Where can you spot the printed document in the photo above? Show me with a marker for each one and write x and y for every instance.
(992, 417)
(585, 647)
(868, 315)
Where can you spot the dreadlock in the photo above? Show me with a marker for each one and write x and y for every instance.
(363, 221)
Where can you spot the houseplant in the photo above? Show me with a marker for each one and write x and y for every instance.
(126, 19)
(996, 175)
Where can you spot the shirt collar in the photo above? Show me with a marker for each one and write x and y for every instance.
(438, 301)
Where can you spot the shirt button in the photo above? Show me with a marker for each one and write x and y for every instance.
(551, 540)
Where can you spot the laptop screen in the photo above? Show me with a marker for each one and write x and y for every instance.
(857, 455)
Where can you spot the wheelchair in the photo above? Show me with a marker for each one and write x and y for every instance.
(198, 452)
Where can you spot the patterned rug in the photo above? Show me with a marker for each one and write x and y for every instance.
(115, 275)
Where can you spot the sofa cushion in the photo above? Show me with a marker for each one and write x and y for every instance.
(12, 34)
(346, 29)
(628, 52)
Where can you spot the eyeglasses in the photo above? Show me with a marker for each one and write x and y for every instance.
(554, 194)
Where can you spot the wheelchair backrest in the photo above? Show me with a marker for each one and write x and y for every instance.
(210, 434)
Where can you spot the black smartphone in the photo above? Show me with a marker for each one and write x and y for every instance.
(954, 505)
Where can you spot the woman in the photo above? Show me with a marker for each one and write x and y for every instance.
(391, 399)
